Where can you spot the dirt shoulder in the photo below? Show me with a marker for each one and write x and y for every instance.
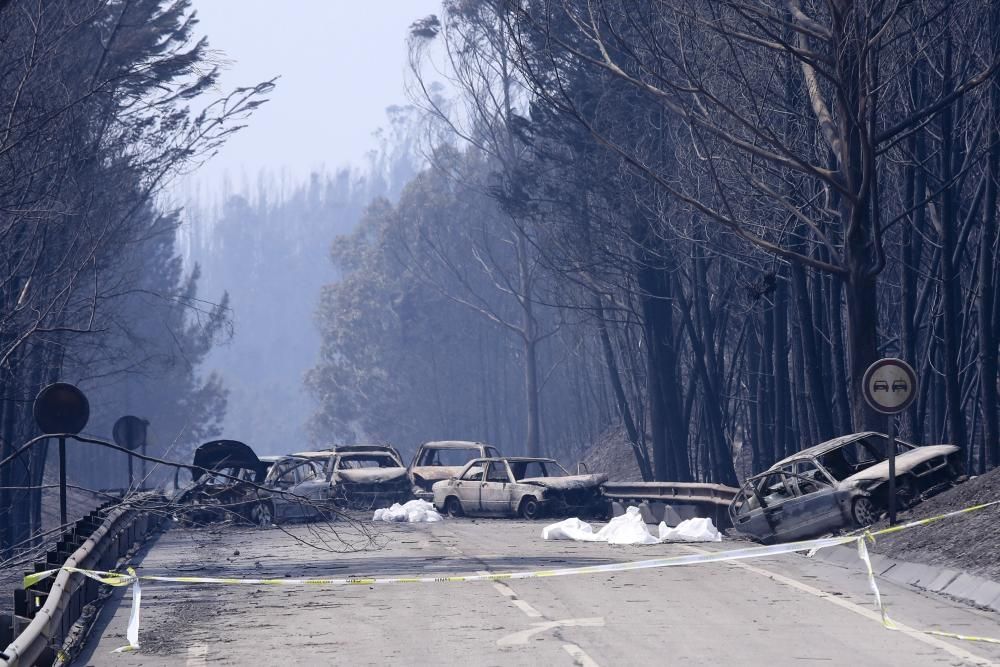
(968, 542)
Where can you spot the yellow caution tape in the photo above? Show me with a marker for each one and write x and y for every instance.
(810, 546)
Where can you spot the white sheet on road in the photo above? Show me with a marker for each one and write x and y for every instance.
(629, 528)
(690, 530)
(414, 511)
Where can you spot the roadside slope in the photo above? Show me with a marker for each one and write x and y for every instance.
(969, 542)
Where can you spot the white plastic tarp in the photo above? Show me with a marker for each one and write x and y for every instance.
(414, 511)
(629, 528)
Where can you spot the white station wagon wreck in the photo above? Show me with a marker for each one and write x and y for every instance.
(838, 484)
(520, 486)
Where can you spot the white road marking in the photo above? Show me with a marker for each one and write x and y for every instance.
(197, 655)
(956, 651)
(509, 593)
(504, 589)
(523, 636)
(528, 610)
(579, 656)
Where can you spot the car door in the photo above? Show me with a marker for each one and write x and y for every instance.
(281, 479)
(311, 490)
(813, 509)
(494, 491)
(762, 506)
(467, 488)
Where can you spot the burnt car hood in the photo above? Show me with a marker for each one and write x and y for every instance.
(569, 483)
(219, 454)
(436, 473)
(370, 475)
(904, 463)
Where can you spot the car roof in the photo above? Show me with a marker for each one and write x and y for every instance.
(269, 458)
(455, 444)
(515, 459)
(313, 455)
(361, 448)
(824, 447)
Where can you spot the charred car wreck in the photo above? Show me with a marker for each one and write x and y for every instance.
(840, 483)
(520, 486)
(227, 478)
(442, 459)
(358, 477)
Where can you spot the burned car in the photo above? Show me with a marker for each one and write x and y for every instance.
(520, 486)
(358, 476)
(298, 487)
(439, 460)
(839, 484)
(227, 479)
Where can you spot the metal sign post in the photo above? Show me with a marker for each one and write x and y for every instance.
(130, 432)
(61, 409)
(889, 387)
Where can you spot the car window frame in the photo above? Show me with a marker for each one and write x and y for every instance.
(502, 465)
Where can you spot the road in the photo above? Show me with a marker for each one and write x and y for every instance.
(774, 611)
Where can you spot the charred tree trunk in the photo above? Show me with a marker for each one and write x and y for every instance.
(988, 371)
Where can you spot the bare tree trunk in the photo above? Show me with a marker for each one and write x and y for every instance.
(782, 411)
(988, 371)
(951, 301)
(624, 411)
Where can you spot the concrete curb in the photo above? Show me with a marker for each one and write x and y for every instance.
(935, 578)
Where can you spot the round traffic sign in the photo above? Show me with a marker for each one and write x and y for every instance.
(130, 432)
(61, 408)
(889, 385)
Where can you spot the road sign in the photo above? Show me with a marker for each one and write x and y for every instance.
(889, 386)
(130, 432)
(60, 409)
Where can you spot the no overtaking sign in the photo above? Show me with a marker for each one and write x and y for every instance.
(889, 385)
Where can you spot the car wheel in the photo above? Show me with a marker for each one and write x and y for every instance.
(863, 512)
(453, 506)
(262, 514)
(530, 508)
(906, 493)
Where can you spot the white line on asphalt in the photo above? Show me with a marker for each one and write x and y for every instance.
(956, 651)
(504, 589)
(508, 592)
(579, 656)
(523, 636)
(197, 655)
(528, 610)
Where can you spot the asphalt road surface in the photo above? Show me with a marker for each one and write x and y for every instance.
(787, 610)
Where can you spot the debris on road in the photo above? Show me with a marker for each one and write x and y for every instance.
(414, 511)
(629, 528)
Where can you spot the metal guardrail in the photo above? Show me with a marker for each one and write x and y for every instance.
(671, 492)
(45, 613)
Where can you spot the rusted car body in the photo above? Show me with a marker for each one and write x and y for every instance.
(227, 480)
(520, 486)
(298, 487)
(442, 459)
(839, 484)
(357, 476)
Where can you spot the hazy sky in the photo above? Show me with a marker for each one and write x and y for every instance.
(341, 64)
